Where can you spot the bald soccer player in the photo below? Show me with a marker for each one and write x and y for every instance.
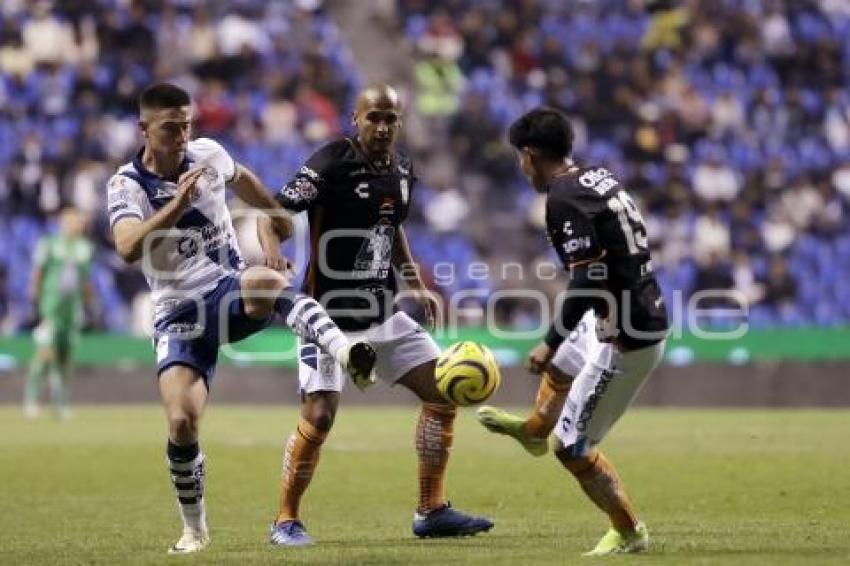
(356, 192)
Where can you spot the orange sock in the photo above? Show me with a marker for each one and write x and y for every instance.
(299, 461)
(434, 434)
(547, 407)
(603, 486)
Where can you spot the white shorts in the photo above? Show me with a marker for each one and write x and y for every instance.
(400, 344)
(571, 355)
(601, 393)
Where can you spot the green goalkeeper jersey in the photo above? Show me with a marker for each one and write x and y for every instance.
(66, 267)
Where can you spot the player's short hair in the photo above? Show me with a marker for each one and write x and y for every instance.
(163, 95)
(546, 130)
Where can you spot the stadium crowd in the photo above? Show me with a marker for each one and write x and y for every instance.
(270, 80)
(729, 119)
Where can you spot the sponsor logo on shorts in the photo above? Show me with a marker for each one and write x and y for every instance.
(327, 369)
(593, 400)
(183, 328)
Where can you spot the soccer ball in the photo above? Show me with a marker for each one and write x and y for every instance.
(467, 374)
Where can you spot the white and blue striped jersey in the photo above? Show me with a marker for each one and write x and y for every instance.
(193, 257)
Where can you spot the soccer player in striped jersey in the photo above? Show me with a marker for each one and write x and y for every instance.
(167, 208)
(356, 193)
(609, 335)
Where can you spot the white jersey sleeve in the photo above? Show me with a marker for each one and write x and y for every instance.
(125, 198)
(211, 153)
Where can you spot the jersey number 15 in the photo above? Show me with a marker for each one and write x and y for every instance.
(631, 221)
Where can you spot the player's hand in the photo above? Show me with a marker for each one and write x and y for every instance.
(539, 358)
(273, 259)
(187, 187)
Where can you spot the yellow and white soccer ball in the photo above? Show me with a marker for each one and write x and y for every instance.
(467, 373)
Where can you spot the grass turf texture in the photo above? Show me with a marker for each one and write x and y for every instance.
(735, 487)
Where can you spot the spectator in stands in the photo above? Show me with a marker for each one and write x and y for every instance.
(780, 287)
(715, 180)
(712, 239)
(714, 276)
(744, 278)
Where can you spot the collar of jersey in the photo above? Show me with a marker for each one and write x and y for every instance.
(354, 142)
(150, 178)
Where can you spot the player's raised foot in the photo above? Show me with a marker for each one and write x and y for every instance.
(358, 360)
(502, 422)
(289, 533)
(190, 542)
(616, 543)
(446, 521)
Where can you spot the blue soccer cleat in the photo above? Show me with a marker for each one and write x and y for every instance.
(447, 522)
(289, 533)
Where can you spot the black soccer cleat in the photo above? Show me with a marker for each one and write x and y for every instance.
(448, 522)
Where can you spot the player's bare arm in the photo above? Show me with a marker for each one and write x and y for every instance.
(270, 241)
(402, 260)
(251, 190)
(130, 233)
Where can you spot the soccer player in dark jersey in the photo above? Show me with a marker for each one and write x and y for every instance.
(610, 332)
(357, 192)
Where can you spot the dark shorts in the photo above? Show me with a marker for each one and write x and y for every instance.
(190, 336)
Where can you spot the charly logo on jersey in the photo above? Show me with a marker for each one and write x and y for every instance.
(599, 179)
(362, 190)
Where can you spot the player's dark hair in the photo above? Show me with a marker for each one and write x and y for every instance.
(546, 130)
(163, 95)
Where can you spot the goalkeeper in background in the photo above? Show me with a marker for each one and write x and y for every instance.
(60, 286)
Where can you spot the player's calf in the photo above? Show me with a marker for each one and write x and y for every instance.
(602, 484)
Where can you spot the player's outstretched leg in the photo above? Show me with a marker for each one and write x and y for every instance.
(602, 484)
(265, 292)
(435, 517)
(532, 432)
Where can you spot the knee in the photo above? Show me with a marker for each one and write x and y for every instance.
(183, 426)
(322, 420)
(572, 460)
(260, 287)
(255, 308)
(320, 415)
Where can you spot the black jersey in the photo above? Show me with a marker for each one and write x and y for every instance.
(592, 221)
(354, 211)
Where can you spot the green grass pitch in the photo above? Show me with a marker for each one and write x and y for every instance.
(733, 487)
